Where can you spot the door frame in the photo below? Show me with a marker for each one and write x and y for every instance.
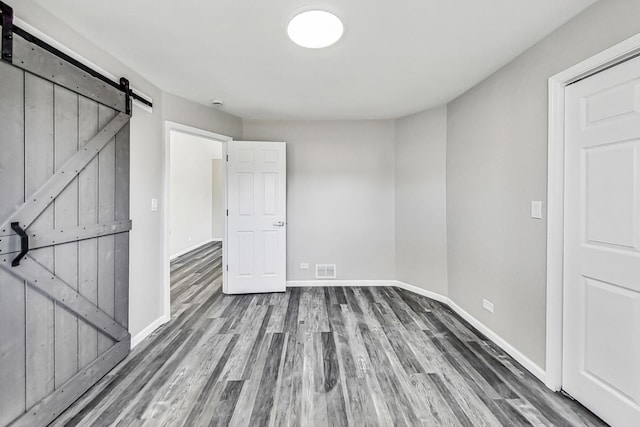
(166, 214)
(621, 52)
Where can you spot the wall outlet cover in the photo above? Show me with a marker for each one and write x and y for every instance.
(487, 305)
(536, 210)
(304, 266)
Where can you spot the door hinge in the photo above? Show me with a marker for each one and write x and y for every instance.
(565, 394)
(227, 157)
(7, 32)
(227, 212)
(227, 267)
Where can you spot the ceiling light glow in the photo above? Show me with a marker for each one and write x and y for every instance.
(315, 29)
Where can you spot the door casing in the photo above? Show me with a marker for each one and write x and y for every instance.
(621, 52)
(166, 186)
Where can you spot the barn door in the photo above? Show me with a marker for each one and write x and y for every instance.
(64, 222)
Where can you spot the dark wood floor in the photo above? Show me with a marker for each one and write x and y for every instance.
(315, 356)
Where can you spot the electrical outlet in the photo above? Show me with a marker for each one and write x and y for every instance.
(304, 266)
(487, 305)
(154, 205)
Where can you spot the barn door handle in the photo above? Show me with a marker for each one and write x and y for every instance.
(24, 243)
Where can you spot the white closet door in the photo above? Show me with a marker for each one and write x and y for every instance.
(602, 244)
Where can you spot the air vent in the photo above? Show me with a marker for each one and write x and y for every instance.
(325, 271)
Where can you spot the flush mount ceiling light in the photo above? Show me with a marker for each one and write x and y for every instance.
(315, 29)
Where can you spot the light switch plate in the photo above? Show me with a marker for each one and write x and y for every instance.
(304, 266)
(154, 205)
(536, 210)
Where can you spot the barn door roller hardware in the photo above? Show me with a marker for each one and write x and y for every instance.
(124, 84)
(9, 30)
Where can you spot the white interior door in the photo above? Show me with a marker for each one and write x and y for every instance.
(257, 217)
(601, 363)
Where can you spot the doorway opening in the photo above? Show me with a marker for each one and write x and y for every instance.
(194, 208)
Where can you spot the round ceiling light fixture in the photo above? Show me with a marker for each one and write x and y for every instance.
(315, 29)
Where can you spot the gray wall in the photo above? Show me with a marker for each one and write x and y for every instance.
(497, 164)
(180, 110)
(420, 205)
(192, 195)
(217, 200)
(340, 195)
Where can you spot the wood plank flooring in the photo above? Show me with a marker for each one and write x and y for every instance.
(367, 356)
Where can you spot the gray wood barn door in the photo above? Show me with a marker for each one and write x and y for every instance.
(64, 180)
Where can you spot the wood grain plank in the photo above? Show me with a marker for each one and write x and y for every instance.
(39, 167)
(121, 255)
(176, 396)
(227, 403)
(333, 385)
(87, 214)
(12, 297)
(106, 213)
(264, 399)
(66, 215)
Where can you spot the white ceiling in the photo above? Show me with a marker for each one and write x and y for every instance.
(395, 58)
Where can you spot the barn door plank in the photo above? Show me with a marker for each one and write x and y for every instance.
(106, 213)
(39, 166)
(12, 297)
(87, 215)
(122, 214)
(69, 234)
(40, 200)
(41, 279)
(50, 407)
(66, 215)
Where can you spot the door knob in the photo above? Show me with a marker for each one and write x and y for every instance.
(278, 224)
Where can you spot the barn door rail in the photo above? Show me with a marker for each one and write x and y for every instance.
(16, 243)
(14, 54)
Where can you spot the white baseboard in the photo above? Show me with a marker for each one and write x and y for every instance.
(528, 364)
(421, 291)
(140, 336)
(194, 247)
(312, 283)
